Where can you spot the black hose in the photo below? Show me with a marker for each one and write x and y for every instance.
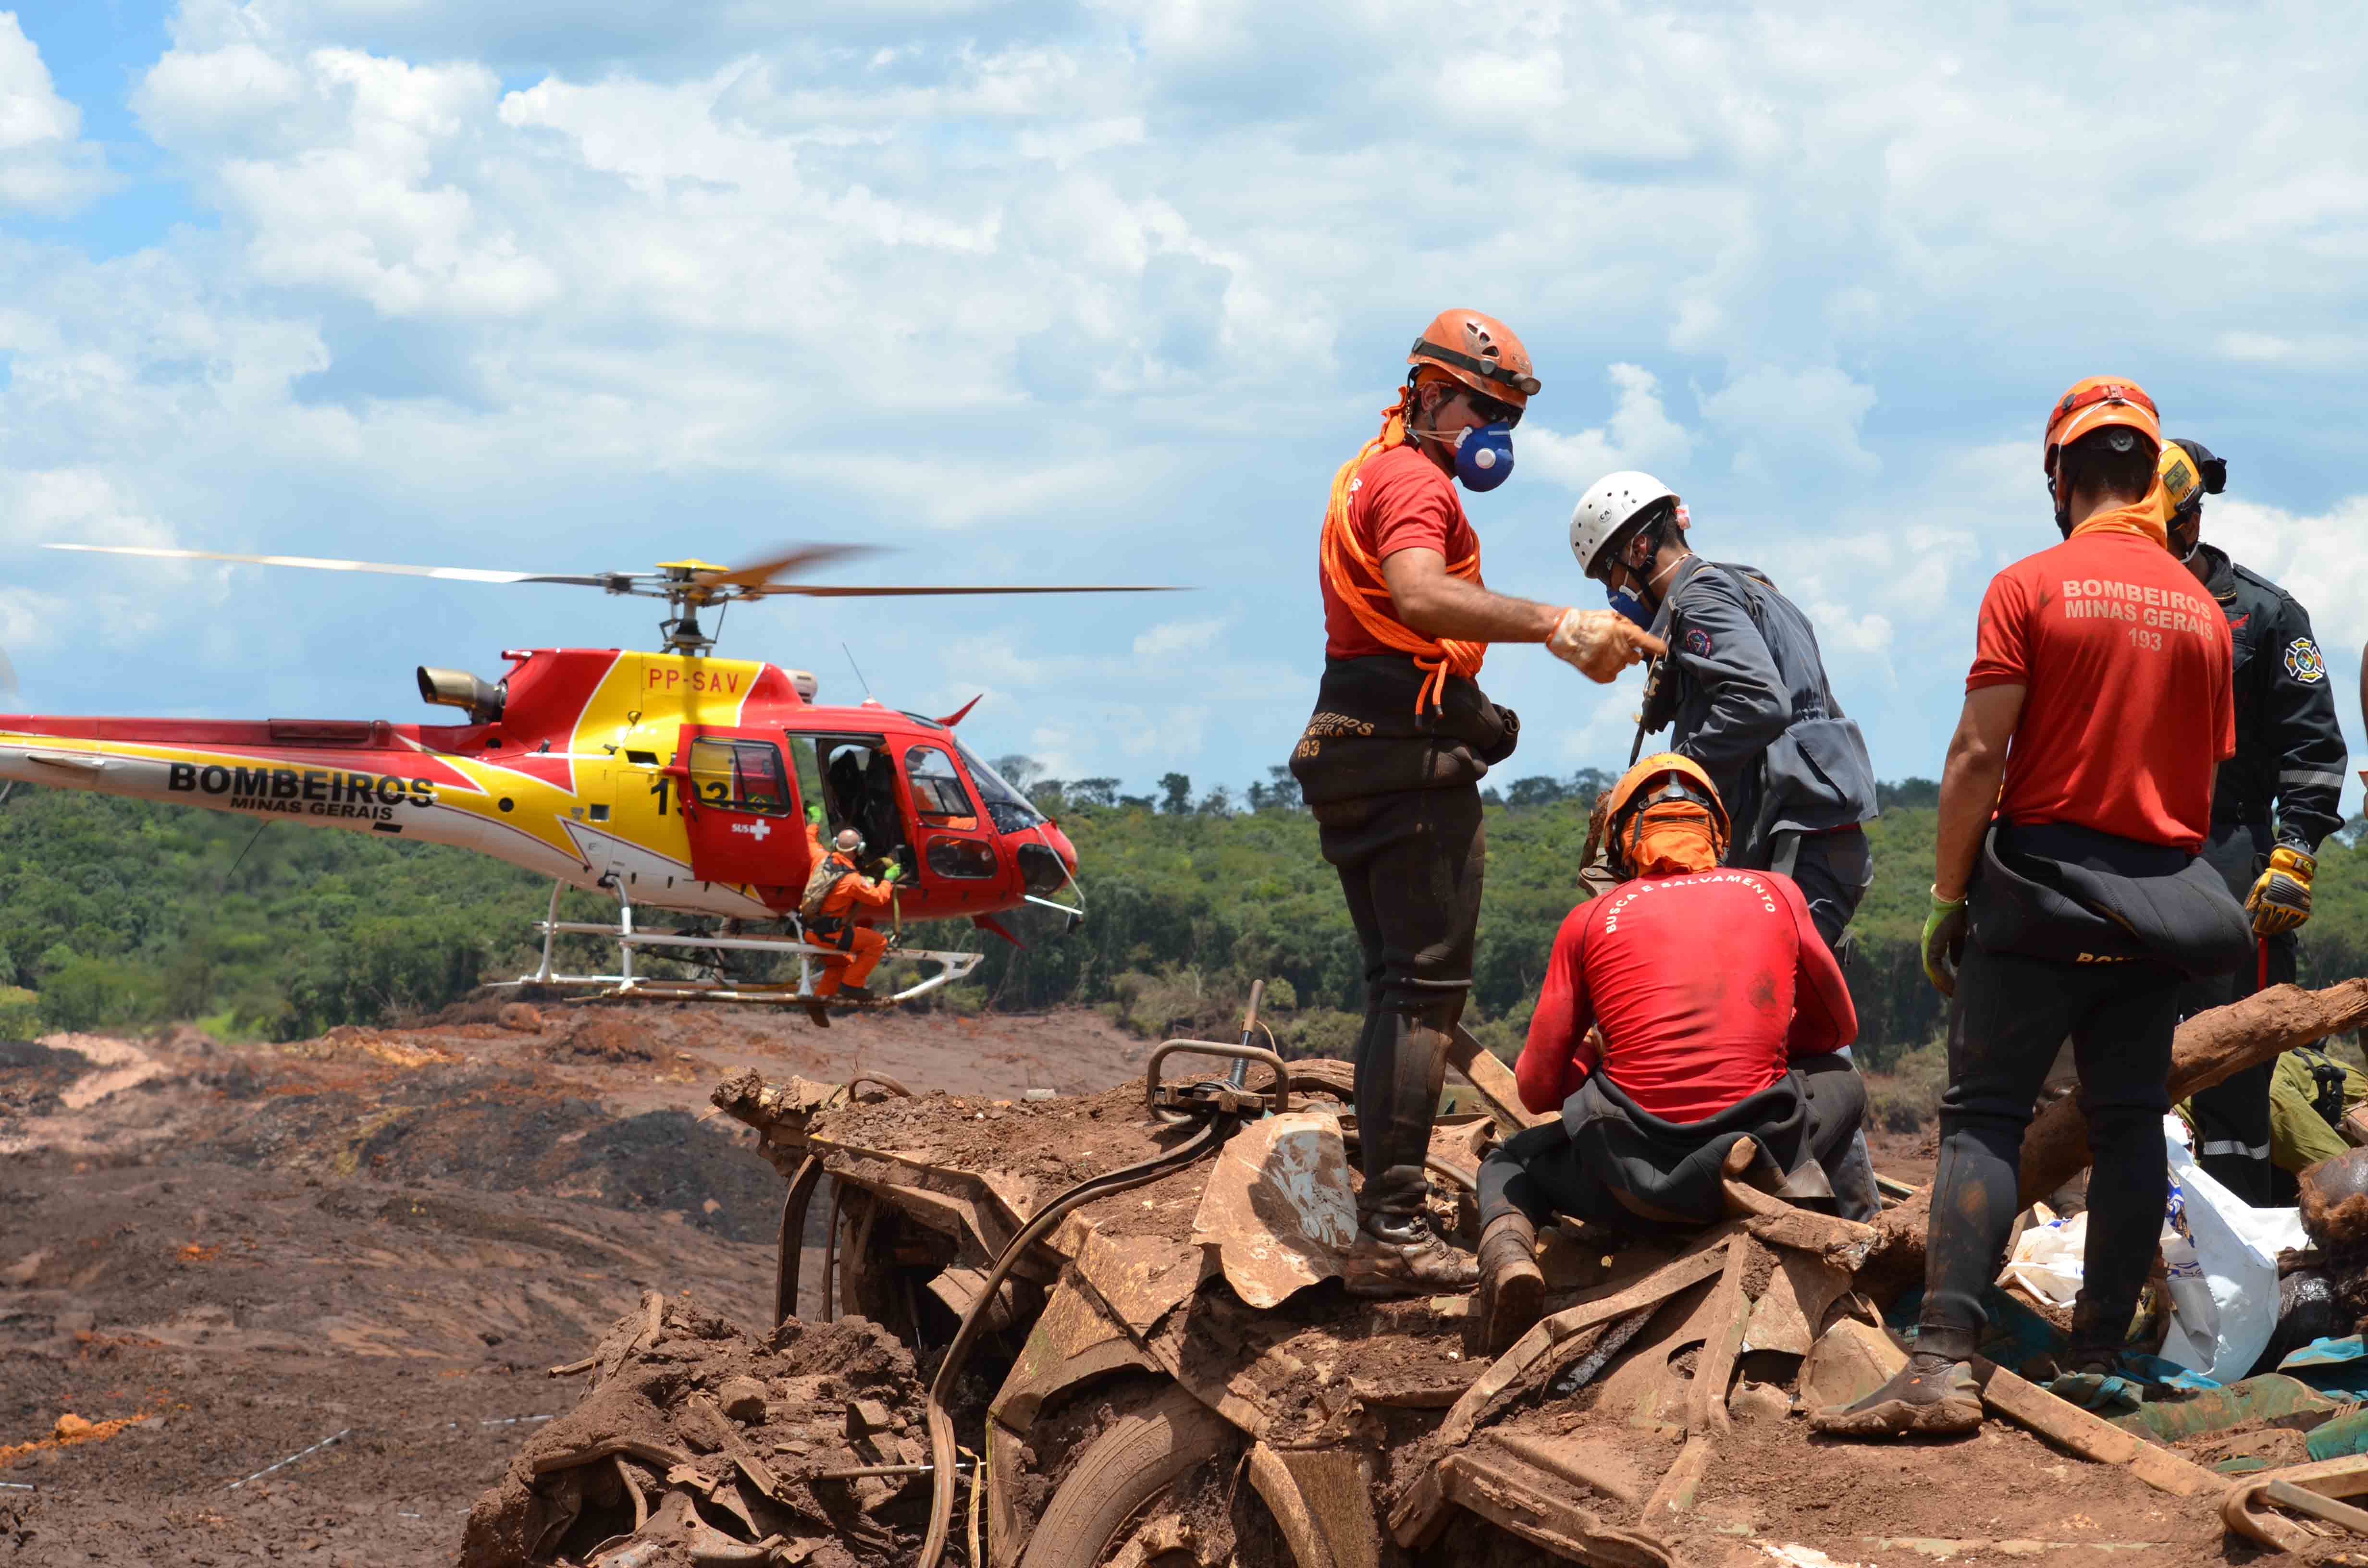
(1206, 1141)
(794, 1238)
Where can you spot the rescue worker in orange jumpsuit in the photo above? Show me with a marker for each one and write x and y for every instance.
(1391, 760)
(839, 892)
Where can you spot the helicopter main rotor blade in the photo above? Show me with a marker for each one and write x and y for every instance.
(800, 558)
(317, 563)
(816, 591)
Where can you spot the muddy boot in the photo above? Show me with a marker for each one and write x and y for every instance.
(1935, 1393)
(1512, 1291)
(2089, 1372)
(1402, 1256)
(819, 1011)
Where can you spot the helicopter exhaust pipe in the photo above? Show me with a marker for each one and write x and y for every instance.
(459, 688)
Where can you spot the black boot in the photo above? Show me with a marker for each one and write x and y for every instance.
(1402, 1065)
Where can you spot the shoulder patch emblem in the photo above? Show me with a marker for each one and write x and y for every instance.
(1698, 643)
(2303, 660)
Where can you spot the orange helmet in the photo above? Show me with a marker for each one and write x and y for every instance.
(1663, 829)
(2094, 404)
(1481, 352)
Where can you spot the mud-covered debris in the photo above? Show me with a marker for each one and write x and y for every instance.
(701, 1443)
(610, 1038)
(742, 1399)
(521, 1016)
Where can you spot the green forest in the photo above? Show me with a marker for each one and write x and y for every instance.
(120, 913)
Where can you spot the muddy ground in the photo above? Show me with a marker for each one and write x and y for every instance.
(383, 1237)
(379, 1241)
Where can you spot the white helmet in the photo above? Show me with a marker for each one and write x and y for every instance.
(1609, 506)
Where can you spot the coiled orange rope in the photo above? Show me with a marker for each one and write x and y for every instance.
(1368, 597)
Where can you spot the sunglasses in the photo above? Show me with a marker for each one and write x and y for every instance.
(1490, 410)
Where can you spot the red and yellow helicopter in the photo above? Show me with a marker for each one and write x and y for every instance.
(671, 781)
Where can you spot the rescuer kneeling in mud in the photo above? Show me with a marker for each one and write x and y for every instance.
(1720, 1009)
(2069, 897)
(1391, 761)
(836, 890)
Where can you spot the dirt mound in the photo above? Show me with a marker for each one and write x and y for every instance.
(695, 1439)
(608, 1037)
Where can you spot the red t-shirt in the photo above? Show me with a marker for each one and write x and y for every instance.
(1399, 500)
(1706, 987)
(2129, 708)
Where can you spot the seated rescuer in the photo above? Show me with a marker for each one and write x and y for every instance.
(2100, 699)
(836, 890)
(2271, 804)
(1745, 688)
(1720, 1009)
(1391, 760)
(2310, 1094)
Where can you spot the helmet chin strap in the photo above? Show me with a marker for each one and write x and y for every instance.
(1652, 594)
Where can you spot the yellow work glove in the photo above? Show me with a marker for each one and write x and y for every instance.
(1944, 942)
(894, 870)
(2281, 898)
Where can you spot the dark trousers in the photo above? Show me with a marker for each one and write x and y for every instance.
(1543, 1173)
(2232, 1117)
(1834, 871)
(2010, 1016)
(1410, 867)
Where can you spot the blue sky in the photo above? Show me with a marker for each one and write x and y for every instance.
(1105, 290)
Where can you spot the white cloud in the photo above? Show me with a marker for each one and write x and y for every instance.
(1782, 424)
(1104, 293)
(1639, 435)
(45, 167)
(2321, 559)
(1178, 640)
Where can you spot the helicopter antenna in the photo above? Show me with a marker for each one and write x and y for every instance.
(857, 668)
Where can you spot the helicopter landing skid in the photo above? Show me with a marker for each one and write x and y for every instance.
(950, 966)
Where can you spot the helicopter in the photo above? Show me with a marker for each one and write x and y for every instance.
(671, 781)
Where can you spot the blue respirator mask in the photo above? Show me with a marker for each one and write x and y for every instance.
(1629, 605)
(1484, 457)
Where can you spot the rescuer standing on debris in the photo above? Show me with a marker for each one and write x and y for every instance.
(1745, 686)
(1685, 1068)
(835, 893)
(1391, 760)
(2271, 804)
(2097, 706)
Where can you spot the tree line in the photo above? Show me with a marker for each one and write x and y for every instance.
(118, 914)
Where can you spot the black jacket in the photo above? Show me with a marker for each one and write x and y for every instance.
(1746, 689)
(2290, 752)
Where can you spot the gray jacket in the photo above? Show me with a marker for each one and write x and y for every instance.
(1745, 689)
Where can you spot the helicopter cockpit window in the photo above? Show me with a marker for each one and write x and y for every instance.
(1010, 809)
(741, 776)
(938, 793)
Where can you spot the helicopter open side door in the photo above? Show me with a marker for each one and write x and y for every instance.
(739, 805)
